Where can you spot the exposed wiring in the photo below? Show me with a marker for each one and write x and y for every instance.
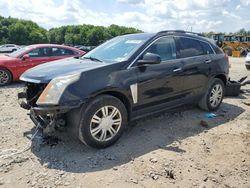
(3, 154)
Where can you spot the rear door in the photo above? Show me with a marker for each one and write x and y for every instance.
(195, 58)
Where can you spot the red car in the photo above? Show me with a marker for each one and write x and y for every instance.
(14, 64)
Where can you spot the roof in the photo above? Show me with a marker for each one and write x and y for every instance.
(48, 45)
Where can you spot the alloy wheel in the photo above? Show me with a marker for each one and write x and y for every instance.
(4, 77)
(216, 95)
(105, 123)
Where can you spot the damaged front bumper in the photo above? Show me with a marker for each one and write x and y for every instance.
(44, 116)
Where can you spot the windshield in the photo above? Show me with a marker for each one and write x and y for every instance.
(119, 48)
(18, 52)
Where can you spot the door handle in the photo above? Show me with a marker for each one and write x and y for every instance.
(208, 61)
(177, 69)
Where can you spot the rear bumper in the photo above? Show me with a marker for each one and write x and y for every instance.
(247, 62)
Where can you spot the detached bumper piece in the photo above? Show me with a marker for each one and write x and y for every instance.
(233, 88)
(22, 100)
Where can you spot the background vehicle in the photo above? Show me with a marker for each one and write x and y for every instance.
(124, 79)
(8, 48)
(230, 44)
(85, 48)
(14, 64)
(248, 61)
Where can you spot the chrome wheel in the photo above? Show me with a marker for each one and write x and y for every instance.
(105, 123)
(216, 95)
(4, 77)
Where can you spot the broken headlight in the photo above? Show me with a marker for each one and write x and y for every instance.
(54, 90)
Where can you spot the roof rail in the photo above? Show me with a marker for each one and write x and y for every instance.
(180, 31)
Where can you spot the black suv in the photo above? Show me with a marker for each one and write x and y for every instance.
(123, 79)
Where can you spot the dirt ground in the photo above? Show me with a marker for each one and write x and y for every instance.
(168, 150)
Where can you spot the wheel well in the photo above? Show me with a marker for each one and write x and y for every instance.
(222, 77)
(122, 98)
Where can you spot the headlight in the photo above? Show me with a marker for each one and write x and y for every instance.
(54, 90)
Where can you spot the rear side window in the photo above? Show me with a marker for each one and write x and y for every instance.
(61, 52)
(164, 47)
(217, 50)
(187, 47)
(206, 48)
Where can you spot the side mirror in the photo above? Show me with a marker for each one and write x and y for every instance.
(25, 56)
(149, 58)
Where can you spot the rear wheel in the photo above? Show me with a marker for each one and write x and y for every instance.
(248, 67)
(103, 122)
(228, 50)
(213, 96)
(5, 77)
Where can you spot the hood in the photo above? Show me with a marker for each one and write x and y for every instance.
(46, 72)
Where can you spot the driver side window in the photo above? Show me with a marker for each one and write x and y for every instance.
(39, 52)
(164, 47)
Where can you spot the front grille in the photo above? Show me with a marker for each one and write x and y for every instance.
(33, 91)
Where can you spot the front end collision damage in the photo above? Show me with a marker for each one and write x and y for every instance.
(45, 104)
(72, 95)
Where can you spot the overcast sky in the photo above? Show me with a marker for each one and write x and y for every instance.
(147, 15)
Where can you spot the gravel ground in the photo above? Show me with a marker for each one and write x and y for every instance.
(168, 150)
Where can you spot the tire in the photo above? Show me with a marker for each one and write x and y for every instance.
(95, 129)
(216, 85)
(248, 67)
(5, 77)
(228, 50)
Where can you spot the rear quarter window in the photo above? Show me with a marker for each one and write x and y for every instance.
(206, 48)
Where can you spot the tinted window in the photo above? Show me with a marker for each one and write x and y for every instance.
(61, 52)
(217, 50)
(187, 47)
(206, 48)
(164, 47)
(39, 52)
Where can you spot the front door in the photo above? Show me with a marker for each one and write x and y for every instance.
(35, 57)
(160, 83)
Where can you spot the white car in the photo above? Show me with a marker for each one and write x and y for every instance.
(8, 48)
(247, 61)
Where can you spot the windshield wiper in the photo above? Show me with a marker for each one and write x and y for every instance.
(93, 59)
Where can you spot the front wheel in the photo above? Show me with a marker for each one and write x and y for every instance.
(5, 77)
(213, 96)
(102, 122)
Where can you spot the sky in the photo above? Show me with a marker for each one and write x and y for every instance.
(147, 15)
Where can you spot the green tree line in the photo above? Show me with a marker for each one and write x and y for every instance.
(23, 32)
